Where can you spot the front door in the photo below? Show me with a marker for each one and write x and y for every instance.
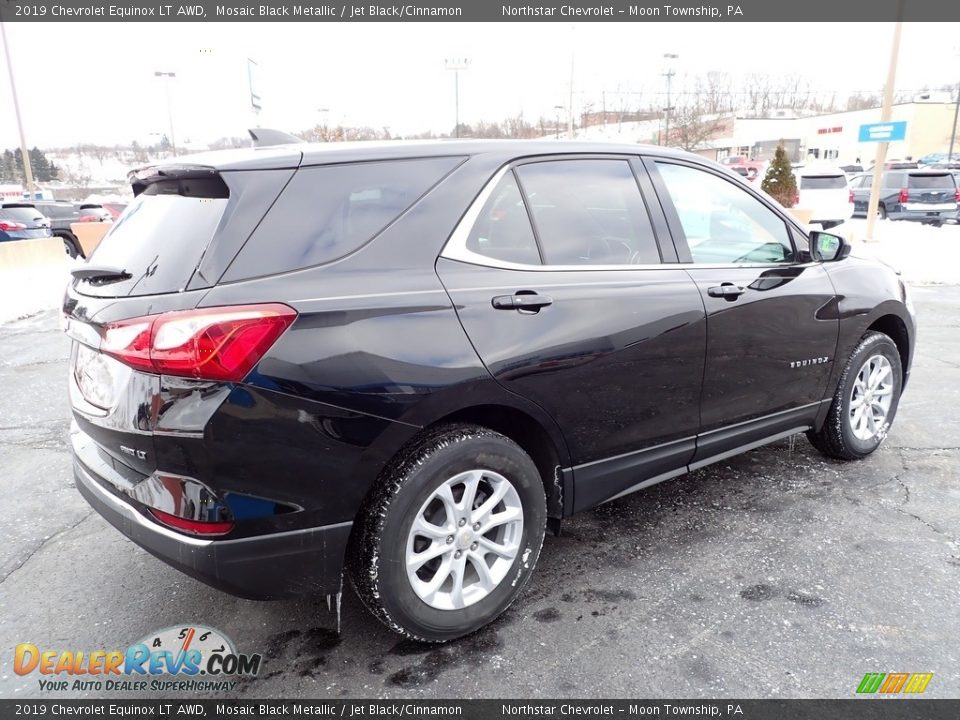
(771, 322)
(559, 284)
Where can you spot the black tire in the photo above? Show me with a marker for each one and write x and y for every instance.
(70, 246)
(881, 212)
(836, 438)
(376, 561)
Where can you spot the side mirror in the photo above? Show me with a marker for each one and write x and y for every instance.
(825, 247)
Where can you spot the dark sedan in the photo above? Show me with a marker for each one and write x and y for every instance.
(22, 222)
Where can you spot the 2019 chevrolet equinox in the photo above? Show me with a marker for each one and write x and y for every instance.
(402, 362)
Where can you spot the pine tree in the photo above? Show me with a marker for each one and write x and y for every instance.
(779, 181)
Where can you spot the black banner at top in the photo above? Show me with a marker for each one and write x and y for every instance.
(482, 11)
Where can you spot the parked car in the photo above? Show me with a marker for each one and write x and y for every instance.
(63, 214)
(751, 169)
(114, 208)
(20, 221)
(825, 192)
(406, 361)
(927, 196)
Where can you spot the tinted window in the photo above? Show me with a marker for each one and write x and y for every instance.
(932, 182)
(722, 222)
(502, 230)
(893, 180)
(327, 212)
(162, 236)
(588, 212)
(823, 182)
(26, 215)
(59, 211)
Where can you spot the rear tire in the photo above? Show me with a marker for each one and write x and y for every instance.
(70, 247)
(421, 507)
(881, 212)
(865, 402)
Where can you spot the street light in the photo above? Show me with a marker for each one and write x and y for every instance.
(169, 77)
(669, 57)
(456, 64)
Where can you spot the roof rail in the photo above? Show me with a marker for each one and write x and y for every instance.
(265, 137)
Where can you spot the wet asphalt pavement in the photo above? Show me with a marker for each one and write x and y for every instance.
(776, 574)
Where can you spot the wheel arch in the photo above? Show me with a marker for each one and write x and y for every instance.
(896, 329)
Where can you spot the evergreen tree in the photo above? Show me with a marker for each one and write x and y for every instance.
(779, 181)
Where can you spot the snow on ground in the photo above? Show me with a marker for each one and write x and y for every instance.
(924, 254)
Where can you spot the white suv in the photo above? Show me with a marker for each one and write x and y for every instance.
(824, 191)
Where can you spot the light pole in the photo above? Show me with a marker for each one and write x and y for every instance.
(27, 170)
(956, 111)
(325, 119)
(169, 76)
(885, 114)
(558, 108)
(669, 76)
(456, 64)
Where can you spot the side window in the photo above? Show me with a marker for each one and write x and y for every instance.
(723, 223)
(502, 230)
(894, 180)
(588, 212)
(329, 211)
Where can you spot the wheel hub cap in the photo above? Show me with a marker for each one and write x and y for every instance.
(871, 398)
(464, 539)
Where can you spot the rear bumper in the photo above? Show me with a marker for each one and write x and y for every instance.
(262, 567)
(924, 216)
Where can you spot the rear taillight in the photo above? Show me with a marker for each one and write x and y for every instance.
(850, 196)
(194, 527)
(956, 195)
(88, 218)
(904, 196)
(12, 226)
(222, 343)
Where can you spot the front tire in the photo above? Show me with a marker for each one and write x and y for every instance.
(865, 402)
(451, 534)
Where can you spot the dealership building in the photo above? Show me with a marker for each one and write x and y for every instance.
(835, 136)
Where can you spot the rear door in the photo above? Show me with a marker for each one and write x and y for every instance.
(560, 283)
(771, 329)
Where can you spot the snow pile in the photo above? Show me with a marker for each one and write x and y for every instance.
(23, 294)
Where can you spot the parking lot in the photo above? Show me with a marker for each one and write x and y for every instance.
(778, 573)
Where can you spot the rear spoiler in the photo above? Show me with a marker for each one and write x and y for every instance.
(141, 178)
(267, 137)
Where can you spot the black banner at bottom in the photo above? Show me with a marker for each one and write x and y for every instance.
(873, 708)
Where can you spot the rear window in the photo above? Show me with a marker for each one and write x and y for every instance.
(58, 212)
(823, 182)
(20, 214)
(329, 211)
(932, 182)
(163, 234)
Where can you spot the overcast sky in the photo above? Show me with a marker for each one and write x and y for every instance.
(94, 82)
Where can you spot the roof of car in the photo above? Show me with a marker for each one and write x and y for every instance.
(291, 156)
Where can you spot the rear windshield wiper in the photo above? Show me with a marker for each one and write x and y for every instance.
(100, 275)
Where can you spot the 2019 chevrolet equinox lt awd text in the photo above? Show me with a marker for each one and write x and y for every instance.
(403, 362)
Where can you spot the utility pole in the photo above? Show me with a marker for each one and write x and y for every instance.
(885, 115)
(456, 64)
(558, 108)
(570, 106)
(669, 76)
(168, 78)
(953, 133)
(27, 170)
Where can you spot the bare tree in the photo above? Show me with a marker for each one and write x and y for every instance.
(691, 126)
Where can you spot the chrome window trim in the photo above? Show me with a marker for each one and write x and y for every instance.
(456, 246)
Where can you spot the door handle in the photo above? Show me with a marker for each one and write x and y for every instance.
(728, 291)
(521, 301)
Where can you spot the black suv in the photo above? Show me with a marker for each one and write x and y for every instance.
(63, 214)
(409, 360)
